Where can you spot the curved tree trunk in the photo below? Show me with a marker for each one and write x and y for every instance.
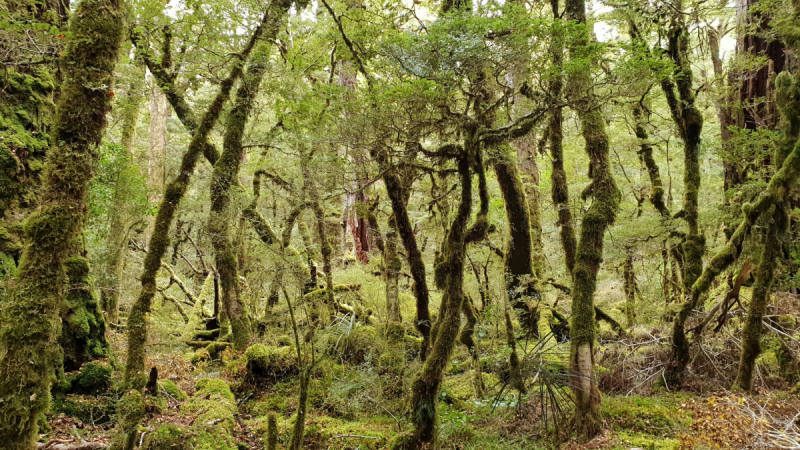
(30, 317)
(135, 377)
(518, 262)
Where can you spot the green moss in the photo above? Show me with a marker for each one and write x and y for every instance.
(94, 377)
(130, 409)
(86, 408)
(166, 437)
(83, 326)
(199, 356)
(267, 363)
(645, 414)
(360, 344)
(172, 390)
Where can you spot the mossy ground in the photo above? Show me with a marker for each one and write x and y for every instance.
(362, 379)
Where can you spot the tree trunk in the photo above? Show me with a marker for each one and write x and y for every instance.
(157, 152)
(398, 196)
(30, 316)
(425, 388)
(629, 286)
(522, 294)
(159, 241)
(116, 241)
(752, 331)
(689, 122)
(558, 176)
(601, 214)
(393, 266)
(226, 175)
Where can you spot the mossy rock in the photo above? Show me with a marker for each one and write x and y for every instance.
(95, 410)
(170, 388)
(93, 378)
(360, 345)
(270, 364)
(199, 356)
(166, 437)
(462, 387)
(395, 332)
(215, 406)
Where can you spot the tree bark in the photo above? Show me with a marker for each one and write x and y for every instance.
(30, 319)
(116, 241)
(558, 176)
(522, 293)
(601, 214)
(226, 175)
(765, 274)
(156, 153)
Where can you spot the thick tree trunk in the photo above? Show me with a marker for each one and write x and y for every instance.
(589, 256)
(30, 316)
(83, 328)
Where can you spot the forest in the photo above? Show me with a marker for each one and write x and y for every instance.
(399, 224)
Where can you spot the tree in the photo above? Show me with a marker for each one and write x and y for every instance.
(30, 346)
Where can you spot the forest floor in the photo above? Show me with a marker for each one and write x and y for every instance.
(360, 381)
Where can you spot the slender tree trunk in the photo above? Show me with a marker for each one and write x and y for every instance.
(689, 122)
(226, 175)
(629, 286)
(398, 196)
(135, 377)
(116, 241)
(558, 177)
(601, 214)
(752, 331)
(426, 385)
(646, 157)
(157, 152)
(30, 316)
(393, 267)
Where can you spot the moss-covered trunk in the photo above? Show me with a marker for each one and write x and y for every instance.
(629, 286)
(522, 293)
(83, 333)
(555, 131)
(601, 214)
(226, 176)
(29, 321)
(393, 266)
(646, 157)
(135, 377)
(752, 331)
(398, 196)
(425, 388)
